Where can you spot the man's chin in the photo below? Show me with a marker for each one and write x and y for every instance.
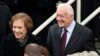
(61, 26)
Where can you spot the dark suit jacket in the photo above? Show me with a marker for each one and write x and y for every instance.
(81, 39)
(11, 47)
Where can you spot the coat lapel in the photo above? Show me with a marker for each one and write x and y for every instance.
(74, 38)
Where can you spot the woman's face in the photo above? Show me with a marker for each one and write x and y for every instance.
(19, 29)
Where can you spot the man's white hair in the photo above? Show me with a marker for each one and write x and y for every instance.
(68, 6)
(85, 53)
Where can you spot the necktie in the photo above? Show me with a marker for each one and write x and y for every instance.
(63, 41)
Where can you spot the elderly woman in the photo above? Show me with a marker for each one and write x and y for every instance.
(14, 44)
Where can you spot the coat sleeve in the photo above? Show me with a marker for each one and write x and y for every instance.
(49, 45)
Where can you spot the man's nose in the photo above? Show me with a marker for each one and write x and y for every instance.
(58, 18)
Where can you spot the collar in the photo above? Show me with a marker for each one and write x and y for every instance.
(71, 27)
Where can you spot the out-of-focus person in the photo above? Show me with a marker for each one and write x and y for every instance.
(5, 16)
(33, 49)
(84, 53)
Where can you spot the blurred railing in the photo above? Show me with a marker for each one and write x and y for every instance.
(85, 21)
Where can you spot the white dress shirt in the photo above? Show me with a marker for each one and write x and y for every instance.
(69, 31)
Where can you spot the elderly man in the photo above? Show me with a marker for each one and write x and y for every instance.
(67, 36)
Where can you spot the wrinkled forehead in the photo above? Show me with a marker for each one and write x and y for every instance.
(18, 21)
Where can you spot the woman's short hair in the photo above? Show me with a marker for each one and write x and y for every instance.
(26, 19)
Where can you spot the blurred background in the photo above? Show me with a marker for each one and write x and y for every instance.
(41, 10)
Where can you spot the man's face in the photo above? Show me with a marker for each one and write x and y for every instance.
(63, 18)
(19, 29)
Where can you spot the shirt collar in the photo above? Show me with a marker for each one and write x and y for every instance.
(71, 27)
